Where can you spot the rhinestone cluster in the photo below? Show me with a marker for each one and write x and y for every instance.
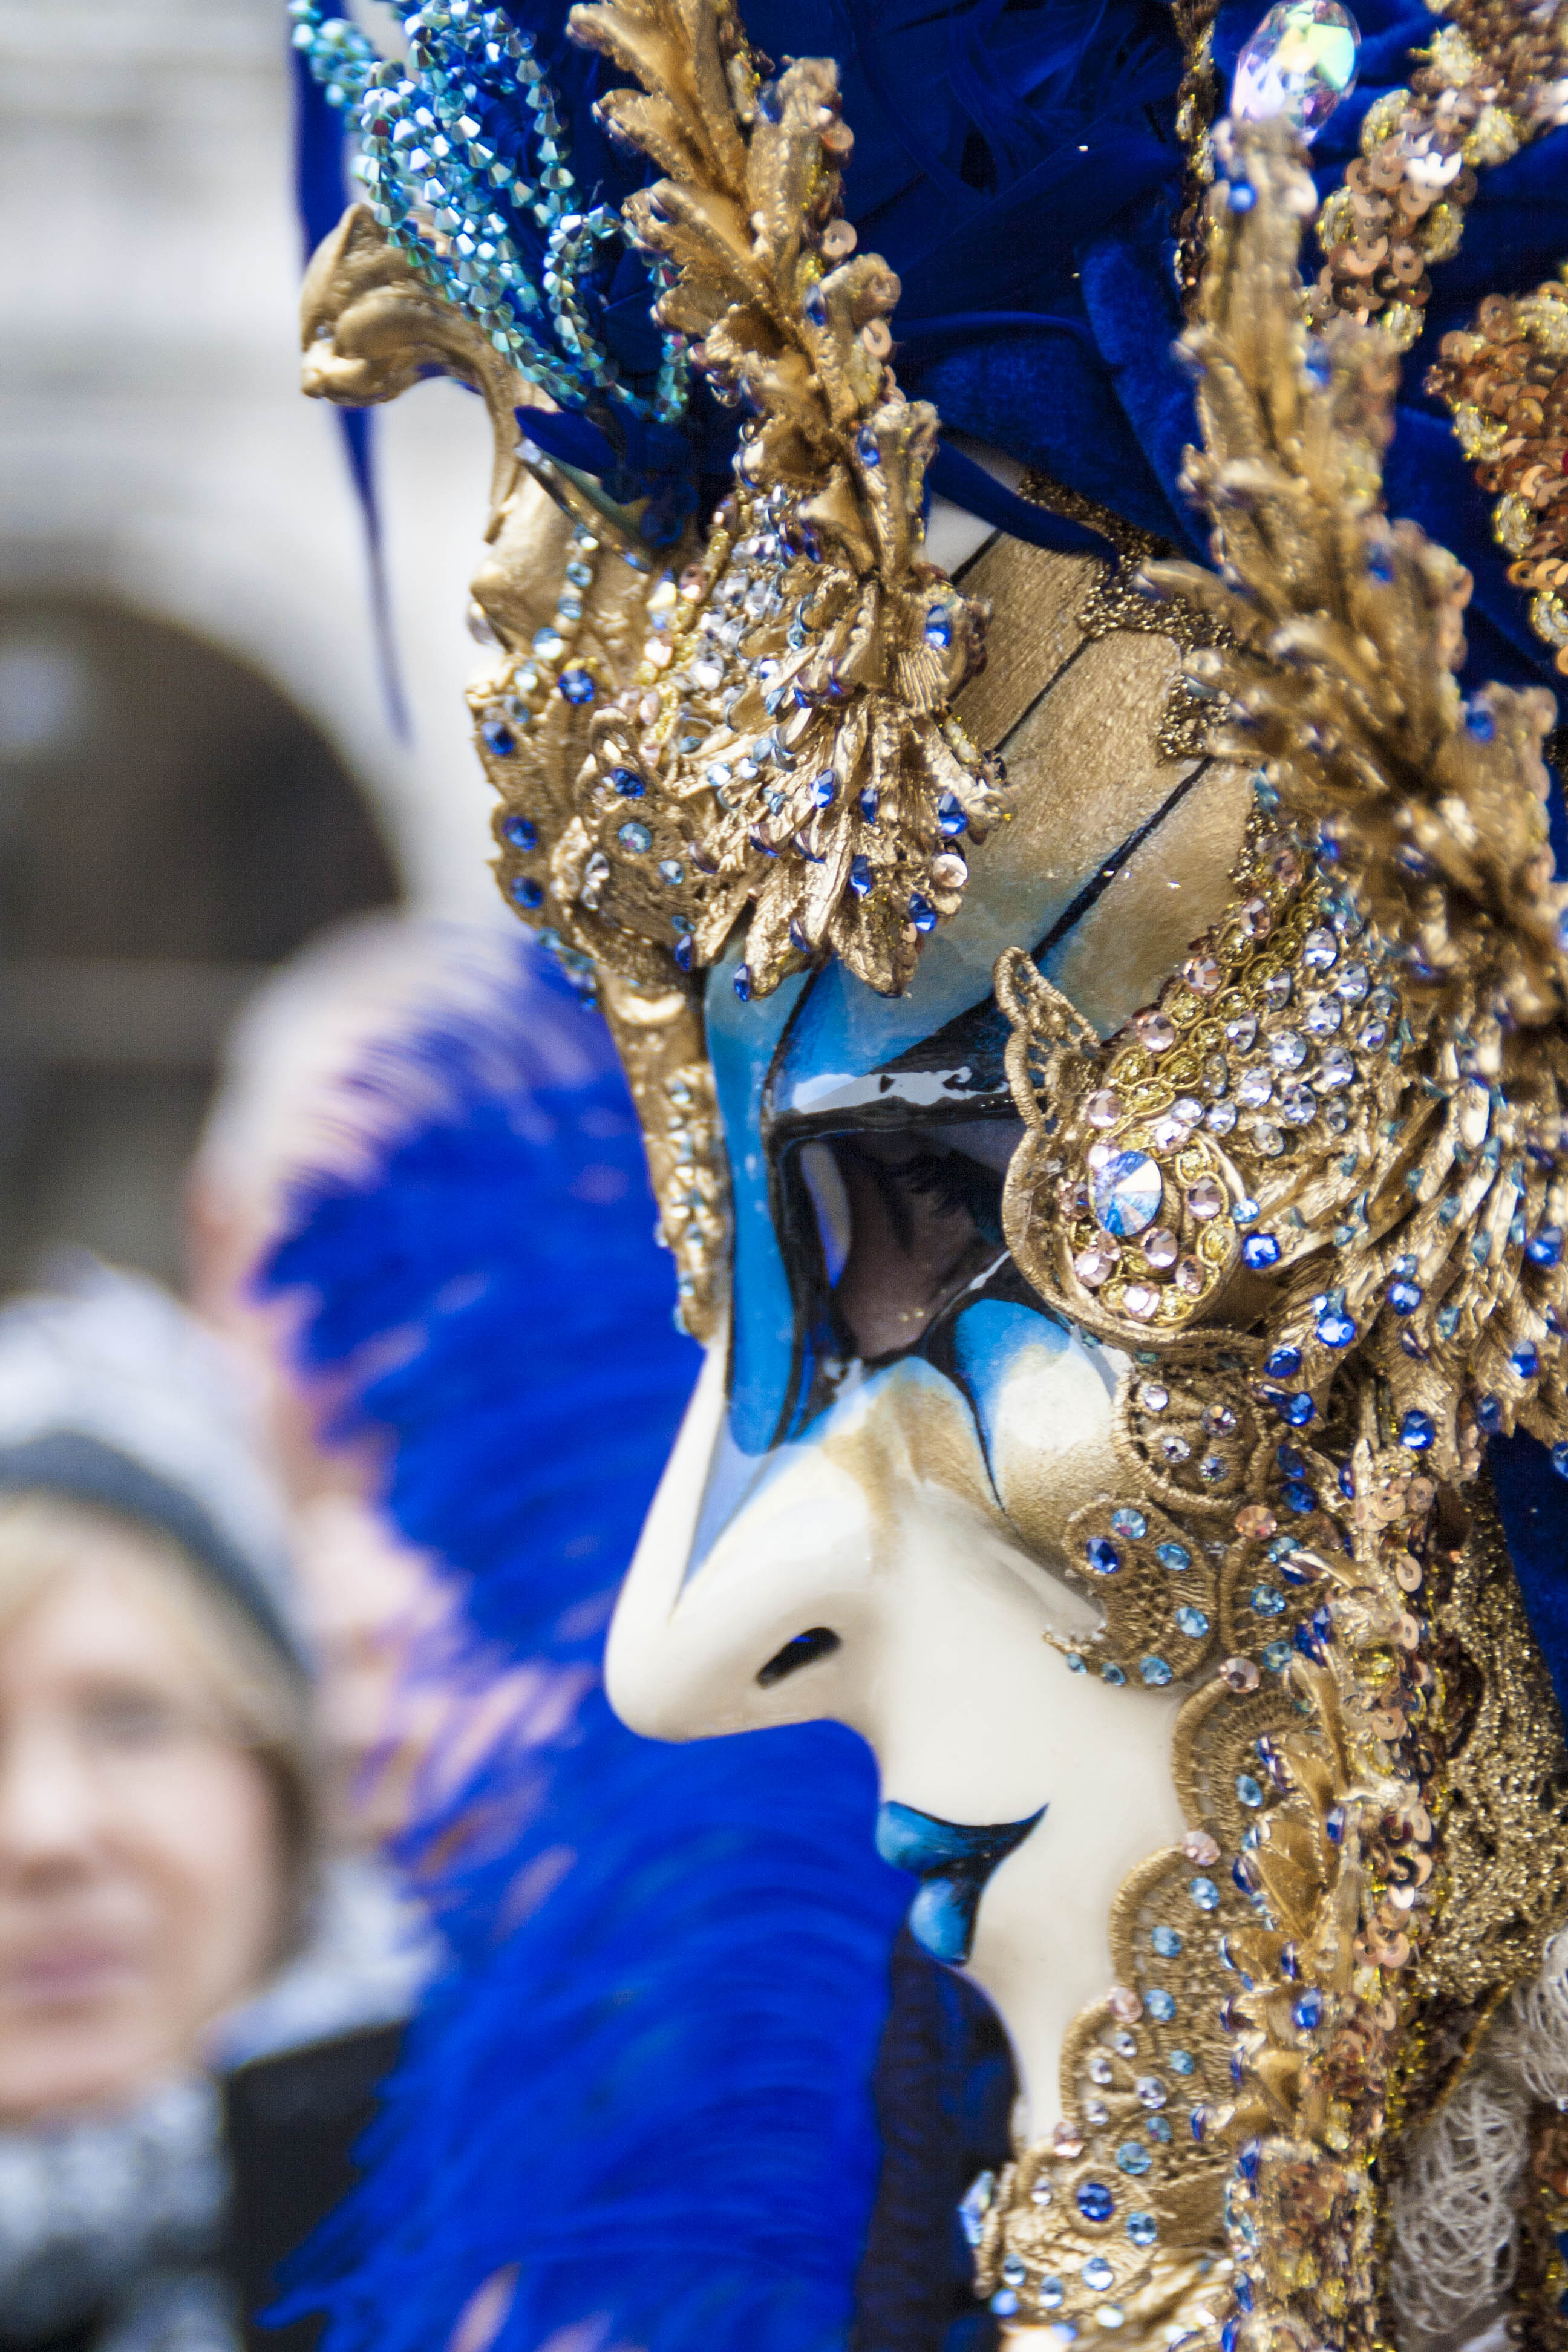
(1250, 1057)
(464, 160)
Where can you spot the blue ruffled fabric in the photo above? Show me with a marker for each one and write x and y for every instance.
(645, 2081)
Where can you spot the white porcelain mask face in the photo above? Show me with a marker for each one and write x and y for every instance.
(863, 1516)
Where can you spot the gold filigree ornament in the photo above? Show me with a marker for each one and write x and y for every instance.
(1316, 1194)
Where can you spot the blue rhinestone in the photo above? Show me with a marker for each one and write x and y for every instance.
(871, 802)
(1260, 1251)
(1161, 2005)
(683, 952)
(1404, 1297)
(1142, 2228)
(949, 816)
(1416, 1431)
(1545, 1248)
(548, 644)
(576, 685)
(672, 870)
(865, 448)
(1096, 2274)
(1481, 721)
(1242, 2289)
(1489, 1414)
(823, 789)
(1298, 1410)
(1249, 1790)
(939, 626)
(1525, 1361)
(628, 783)
(1308, 2010)
(1204, 1894)
(1191, 1621)
(1004, 2303)
(526, 891)
(1181, 2061)
(1166, 1941)
(1335, 1329)
(1301, 1499)
(520, 832)
(1113, 1675)
(815, 308)
(861, 876)
(1129, 1523)
(1267, 1600)
(1133, 2156)
(1560, 1458)
(1242, 195)
(1174, 1556)
(743, 983)
(498, 740)
(1076, 1666)
(634, 838)
(770, 105)
(1095, 2201)
(1102, 1555)
(1198, 2122)
(1155, 1673)
(1447, 1321)
(922, 914)
(1379, 560)
(1283, 1364)
(1246, 2162)
(1230, 2333)
(1291, 1461)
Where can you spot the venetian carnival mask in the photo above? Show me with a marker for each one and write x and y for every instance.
(1097, 1024)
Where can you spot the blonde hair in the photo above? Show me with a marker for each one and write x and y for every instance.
(261, 1702)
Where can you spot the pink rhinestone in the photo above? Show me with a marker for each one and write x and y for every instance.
(1142, 1301)
(1257, 920)
(1198, 1846)
(1239, 1674)
(1104, 1109)
(1155, 1032)
(1098, 1153)
(1124, 2005)
(1190, 1277)
(1169, 1133)
(1256, 1520)
(1205, 974)
(1065, 2141)
(1095, 1265)
(1287, 866)
(1160, 1248)
(1072, 1197)
(1205, 1199)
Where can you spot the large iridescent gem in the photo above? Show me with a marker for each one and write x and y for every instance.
(1299, 62)
(1126, 1194)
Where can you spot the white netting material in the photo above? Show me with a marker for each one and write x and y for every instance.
(1456, 2208)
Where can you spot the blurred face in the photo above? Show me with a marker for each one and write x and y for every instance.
(141, 1868)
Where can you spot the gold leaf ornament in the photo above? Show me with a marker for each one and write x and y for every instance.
(790, 724)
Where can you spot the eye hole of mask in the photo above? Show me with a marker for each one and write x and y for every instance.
(906, 1219)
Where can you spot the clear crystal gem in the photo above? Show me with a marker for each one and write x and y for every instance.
(1299, 62)
(1126, 1194)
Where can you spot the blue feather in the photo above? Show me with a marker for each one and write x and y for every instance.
(646, 2080)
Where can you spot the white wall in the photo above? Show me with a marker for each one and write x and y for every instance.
(154, 445)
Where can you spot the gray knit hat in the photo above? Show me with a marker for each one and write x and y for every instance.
(112, 1393)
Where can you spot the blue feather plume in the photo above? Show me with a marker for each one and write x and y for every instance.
(646, 2080)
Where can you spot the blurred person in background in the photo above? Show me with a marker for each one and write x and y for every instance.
(158, 1836)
